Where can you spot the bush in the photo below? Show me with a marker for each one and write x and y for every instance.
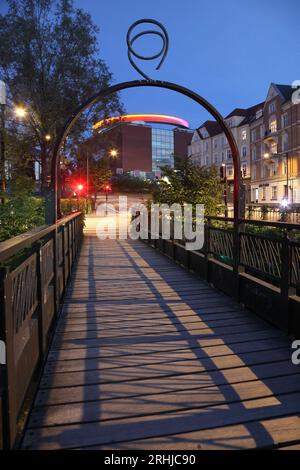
(20, 213)
(72, 204)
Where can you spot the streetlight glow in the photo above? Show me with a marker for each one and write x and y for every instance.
(284, 203)
(266, 155)
(113, 153)
(20, 112)
(48, 137)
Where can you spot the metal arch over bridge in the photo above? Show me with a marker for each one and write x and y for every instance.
(51, 202)
(52, 207)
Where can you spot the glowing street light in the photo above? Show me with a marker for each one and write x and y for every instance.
(284, 203)
(113, 153)
(20, 111)
(48, 137)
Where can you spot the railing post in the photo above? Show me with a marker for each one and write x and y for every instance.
(63, 248)
(40, 297)
(236, 259)
(285, 289)
(207, 228)
(55, 272)
(8, 371)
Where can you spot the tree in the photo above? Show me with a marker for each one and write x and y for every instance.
(190, 184)
(100, 173)
(49, 58)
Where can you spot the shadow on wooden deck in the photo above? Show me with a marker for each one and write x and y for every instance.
(148, 356)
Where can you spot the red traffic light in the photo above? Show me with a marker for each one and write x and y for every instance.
(107, 187)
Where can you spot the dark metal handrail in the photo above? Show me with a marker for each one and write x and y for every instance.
(32, 283)
(12, 246)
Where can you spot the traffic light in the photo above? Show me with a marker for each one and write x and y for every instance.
(107, 187)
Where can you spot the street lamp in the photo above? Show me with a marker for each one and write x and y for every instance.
(20, 112)
(113, 153)
(284, 203)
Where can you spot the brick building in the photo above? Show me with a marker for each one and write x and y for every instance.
(141, 149)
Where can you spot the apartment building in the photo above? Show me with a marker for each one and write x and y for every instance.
(209, 146)
(275, 149)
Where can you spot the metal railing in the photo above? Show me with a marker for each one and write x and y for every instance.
(270, 214)
(34, 272)
(253, 265)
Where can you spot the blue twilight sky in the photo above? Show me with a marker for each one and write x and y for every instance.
(227, 50)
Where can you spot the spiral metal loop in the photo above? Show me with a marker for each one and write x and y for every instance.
(162, 53)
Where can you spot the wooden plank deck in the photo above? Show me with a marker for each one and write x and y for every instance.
(147, 356)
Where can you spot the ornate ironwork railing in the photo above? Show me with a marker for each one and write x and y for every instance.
(34, 272)
(272, 255)
(295, 265)
(261, 254)
(221, 242)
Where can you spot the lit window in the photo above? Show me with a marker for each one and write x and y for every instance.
(230, 170)
(244, 134)
(273, 147)
(274, 192)
(264, 191)
(273, 125)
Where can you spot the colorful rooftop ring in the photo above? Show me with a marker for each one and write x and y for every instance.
(160, 118)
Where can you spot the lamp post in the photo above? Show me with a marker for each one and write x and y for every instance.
(107, 188)
(2, 133)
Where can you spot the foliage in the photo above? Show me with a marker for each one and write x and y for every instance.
(191, 184)
(20, 212)
(49, 59)
(132, 184)
(100, 173)
(70, 205)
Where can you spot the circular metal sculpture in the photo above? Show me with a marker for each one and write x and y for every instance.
(52, 208)
(163, 34)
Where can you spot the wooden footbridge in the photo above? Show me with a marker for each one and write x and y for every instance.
(143, 353)
(146, 355)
